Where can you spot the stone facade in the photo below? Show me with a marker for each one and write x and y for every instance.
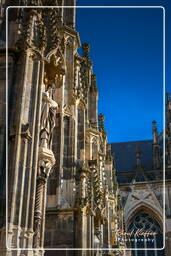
(141, 186)
(62, 191)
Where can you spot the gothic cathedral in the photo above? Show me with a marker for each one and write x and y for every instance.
(62, 190)
(61, 185)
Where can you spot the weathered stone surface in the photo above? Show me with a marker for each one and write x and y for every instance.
(62, 189)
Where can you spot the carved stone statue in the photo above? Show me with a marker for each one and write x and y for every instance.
(49, 107)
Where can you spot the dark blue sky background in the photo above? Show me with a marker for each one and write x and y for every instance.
(126, 50)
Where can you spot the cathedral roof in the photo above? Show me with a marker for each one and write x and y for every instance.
(125, 155)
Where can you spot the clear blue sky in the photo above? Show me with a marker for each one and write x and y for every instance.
(126, 50)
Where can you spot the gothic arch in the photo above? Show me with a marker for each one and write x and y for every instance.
(155, 212)
(54, 68)
(55, 52)
(142, 198)
(147, 220)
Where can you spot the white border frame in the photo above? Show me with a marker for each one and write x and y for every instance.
(164, 90)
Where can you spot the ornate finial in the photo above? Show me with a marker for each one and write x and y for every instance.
(167, 97)
(109, 155)
(156, 147)
(101, 122)
(93, 87)
(155, 132)
(114, 160)
(86, 50)
(108, 147)
(93, 79)
(168, 114)
(168, 106)
(138, 158)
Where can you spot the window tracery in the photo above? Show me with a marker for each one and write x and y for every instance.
(144, 222)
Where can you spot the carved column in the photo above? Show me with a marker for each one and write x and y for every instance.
(46, 161)
(81, 213)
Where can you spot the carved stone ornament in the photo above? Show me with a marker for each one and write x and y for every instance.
(37, 235)
(25, 132)
(46, 159)
(55, 68)
(94, 140)
(82, 187)
(79, 89)
(67, 110)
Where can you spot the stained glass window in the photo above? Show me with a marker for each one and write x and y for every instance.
(141, 222)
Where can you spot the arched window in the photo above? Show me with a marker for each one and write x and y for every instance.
(144, 222)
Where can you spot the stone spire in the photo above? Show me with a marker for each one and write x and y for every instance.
(86, 50)
(69, 14)
(156, 147)
(168, 130)
(168, 113)
(93, 87)
(140, 175)
(155, 132)
(101, 122)
(138, 159)
(90, 84)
